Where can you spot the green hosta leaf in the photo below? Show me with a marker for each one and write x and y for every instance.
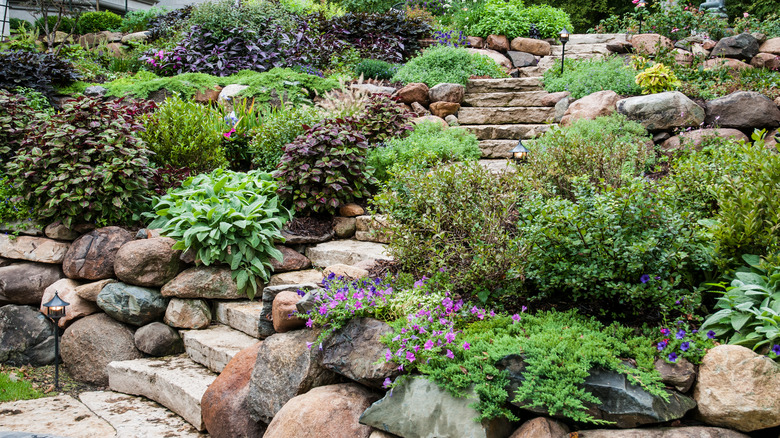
(739, 320)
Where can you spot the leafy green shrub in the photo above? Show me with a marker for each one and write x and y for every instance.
(137, 21)
(630, 249)
(769, 24)
(84, 164)
(441, 64)
(66, 24)
(36, 100)
(325, 167)
(675, 21)
(427, 145)
(219, 16)
(748, 310)
(513, 20)
(587, 76)
(185, 134)
(279, 127)
(11, 208)
(227, 217)
(366, 5)
(39, 71)
(457, 217)
(17, 118)
(375, 69)
(17, 24)
(606, 150)
(90, 22)
(657, 79)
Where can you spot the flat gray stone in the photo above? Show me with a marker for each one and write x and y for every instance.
(507, 132)
(33, 249)
(215, 346)
(23, 227)
(348, 252)
(418, 408)
(521, 98)
(175, 382)
(61, 415)
(287, 279)
(503, 85)
(137, 417)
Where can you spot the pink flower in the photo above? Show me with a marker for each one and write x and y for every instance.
(428, 344)
(466, 346)
(745, 14)
(450, 354)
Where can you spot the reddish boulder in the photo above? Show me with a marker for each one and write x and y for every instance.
(413, 92)
(650, 43)
(224, 404)
(91, 256)
(292, 260)
(475, 42)
(766, 60)
(499, 43)
(444, 109)
(600, 103)
(208, 95)
(283, 308)
(329, 411)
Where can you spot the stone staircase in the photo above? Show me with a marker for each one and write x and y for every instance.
(582, 46)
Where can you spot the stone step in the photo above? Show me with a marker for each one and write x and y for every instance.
(504, 115)
(530, 72)
(595, 38)
(580, 49)
(52, 417)
(517, 98)
(214, 346)
(503, 85)
(176, 382)
(500, 148)
(347, 252)
(137, 417)
(499, 166)
(507, 132)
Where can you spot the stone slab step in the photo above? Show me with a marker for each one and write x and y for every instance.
(508, 131)
(504, 115)
(244, 316)
(499, 166)
(530, 72)
(176, 382)
(500, 148)
(517, 98)
(503, 85)
(62, 416)
(214, 346)
(137, 417)
(595, 38)
(577, 49)
(347, 252)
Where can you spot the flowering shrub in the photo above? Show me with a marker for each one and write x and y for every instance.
(450, 38)
(679, 341)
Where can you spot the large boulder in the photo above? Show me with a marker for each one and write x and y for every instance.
(413, 92)
(91, 256)
(225, 405)
(772, 45)
(743, 47)
(24, 283)
(211, 282)
(734, 65)
(419, 408)
(158, 339)
(26, 336)
(663, 432)
(446, 92)
(531, 45)
(522, 59)
(188, 314)
(90, 291)
(650, 43)
(600, 103)
(285, 367)
(33, 249)
(497, 57)
(283, 312)
(738, 389)
(66, 290)
(329, 411)
(541, 427)
(743, 110)
(662, 111)
(90, 343)
(444, 109)
(292, 260)
(147, 262)
(58, 231)
(356, 352)
(696, 137)
(132, 304)
(768, 61)
(499, 43)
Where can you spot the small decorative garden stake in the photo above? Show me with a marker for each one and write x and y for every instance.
(55, 309)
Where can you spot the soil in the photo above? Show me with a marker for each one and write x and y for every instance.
(42, 379)
(309, 226)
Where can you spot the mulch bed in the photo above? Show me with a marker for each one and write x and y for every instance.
(309, 226)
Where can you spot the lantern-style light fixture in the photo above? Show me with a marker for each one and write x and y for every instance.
(564, 37)
(641, 4)
(520, 153)
(55, 309)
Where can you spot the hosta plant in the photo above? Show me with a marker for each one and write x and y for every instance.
(85, 164)
(325, 167)
(227, 217)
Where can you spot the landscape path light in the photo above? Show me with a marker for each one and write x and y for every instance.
(564, 37)
(641, 4)
(520, 153)
(55, 309)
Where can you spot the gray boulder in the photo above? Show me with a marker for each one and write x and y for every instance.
(522, 59)
(357, 353)
(447, 92)
(24, 283)
(743, 47)
(158, 339)
(95, 91)
(419, 408)
(132, 304)
(743, 110)
(285, 367)
(26, 336)
(662, 111)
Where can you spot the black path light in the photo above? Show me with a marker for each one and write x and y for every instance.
(55, 309)
(641, 4)
(564, 36)
(520, 153)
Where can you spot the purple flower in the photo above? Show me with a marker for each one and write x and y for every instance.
(515, 318)
(776, 350)
(685, 346)
(523, 309)
(428, 344)
(309, 323)
(711, 334)
(664, 331)
(466, 346)
(680, 334)
(450, 354)
(662, 345)
(410, 356)
(388, 355)
(672, 357)
(645, 278)
(449, 337)
(387, 382)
